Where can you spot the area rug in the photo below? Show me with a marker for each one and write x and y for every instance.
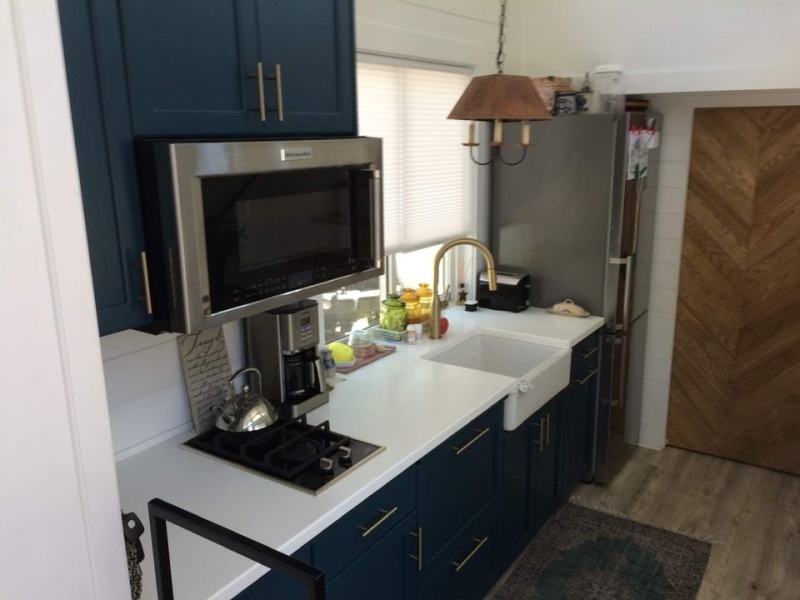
(582, 554)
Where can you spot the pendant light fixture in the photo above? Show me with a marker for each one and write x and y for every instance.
(500, 98)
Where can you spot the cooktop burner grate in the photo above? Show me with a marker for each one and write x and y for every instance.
(306, 456)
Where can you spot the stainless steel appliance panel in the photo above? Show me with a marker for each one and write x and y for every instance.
(551, 214)
(569, 216)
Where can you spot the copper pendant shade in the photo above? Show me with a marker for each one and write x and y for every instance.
(500, 97)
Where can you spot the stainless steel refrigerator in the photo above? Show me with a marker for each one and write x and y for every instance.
(569, 216)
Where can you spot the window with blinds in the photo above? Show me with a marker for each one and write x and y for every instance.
(426, 183)
(427, 196)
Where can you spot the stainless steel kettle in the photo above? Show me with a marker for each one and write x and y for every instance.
(245, 411)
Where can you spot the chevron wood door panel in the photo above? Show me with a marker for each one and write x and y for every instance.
(736, 365)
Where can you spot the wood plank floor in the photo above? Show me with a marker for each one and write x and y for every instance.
(750, 515)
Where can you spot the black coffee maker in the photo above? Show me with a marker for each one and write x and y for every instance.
(284, 345)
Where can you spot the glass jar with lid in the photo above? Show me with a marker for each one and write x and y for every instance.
(413, 310)
(393, 314)
(609, 88)
(425, 294)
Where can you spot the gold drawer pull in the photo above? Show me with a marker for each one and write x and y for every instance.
(481, 433)
(463, 563)
(279, 90)
(547, 431)
(418, 557)
(262, 109)
(589, 353)
(386, 515)
(591, 374)
(146, 275)
(540, 443)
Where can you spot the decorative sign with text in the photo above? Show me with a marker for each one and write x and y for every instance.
(206, 369)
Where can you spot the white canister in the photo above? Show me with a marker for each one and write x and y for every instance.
(609, 88)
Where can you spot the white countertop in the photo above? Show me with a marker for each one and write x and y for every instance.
(403, 402)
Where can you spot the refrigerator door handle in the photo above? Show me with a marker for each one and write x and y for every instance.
(628, 261)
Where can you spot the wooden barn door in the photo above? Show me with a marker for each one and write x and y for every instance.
(736, 367)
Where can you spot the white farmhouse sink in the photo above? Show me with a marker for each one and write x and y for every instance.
(540, 371)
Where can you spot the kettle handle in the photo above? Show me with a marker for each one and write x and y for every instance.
(244, 370)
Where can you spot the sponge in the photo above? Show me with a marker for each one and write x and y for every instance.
(342, 353)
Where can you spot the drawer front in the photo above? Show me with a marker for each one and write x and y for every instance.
(471, 570)
(343, 542)
(458, 483)
(386, 571)
(585, 352)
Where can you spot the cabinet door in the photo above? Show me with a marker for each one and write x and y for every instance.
(386, 571)
(313, 42)
(577, 410)
(101, 125)
(516, 453)
(458, 486)
(543, 494)
(188, 63)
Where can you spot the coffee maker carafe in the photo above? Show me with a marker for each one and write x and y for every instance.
(283, 344)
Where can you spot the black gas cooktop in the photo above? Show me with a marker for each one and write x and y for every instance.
(308, 457)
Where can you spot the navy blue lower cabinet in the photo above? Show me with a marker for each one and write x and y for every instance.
(386, 571)
(277, 585)
(363, 526)
(577, 416)
(471, 570)
(543, 481)
(514, 529)
(458, 487)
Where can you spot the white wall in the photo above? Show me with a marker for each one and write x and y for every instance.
(678, 111)
(146, 393)
(674, 46)
(61, 527)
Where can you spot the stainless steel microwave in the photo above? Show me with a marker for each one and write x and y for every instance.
(234, 228)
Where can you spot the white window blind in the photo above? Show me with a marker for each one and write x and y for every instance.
(426, 184)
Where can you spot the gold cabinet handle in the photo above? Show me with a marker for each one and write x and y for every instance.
(279, 90)
(262, 107)
(481, 433)
(418, 557)
(540, 443)
(146, 275)
(589, 353)
(376, 524)
(463, 563)
(583, 381)
(547, 431)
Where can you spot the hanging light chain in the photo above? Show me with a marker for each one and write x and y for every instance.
(501, 38)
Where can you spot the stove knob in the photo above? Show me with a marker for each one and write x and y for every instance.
(326, 467)
(345, 456)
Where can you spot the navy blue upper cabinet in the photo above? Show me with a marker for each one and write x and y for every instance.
(193, 67)
(187, 68)
(106, 165)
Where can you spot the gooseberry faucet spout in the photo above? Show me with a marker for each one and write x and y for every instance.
(436, 309)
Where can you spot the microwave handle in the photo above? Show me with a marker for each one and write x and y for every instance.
(377, 214)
